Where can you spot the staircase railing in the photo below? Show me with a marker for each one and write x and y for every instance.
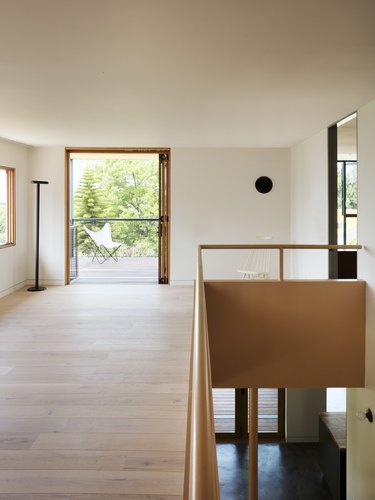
(201, 470)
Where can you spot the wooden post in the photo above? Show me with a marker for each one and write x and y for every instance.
(281, 264)
(253, 444)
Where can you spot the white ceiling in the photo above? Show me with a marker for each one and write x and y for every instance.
(160, 73)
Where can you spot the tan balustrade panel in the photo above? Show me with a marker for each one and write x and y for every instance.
(286, 333)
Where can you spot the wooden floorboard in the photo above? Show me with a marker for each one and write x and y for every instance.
(93, 392)
(90, 481)
(125, 270)
(224, 406)
(39, 496)
(43, 496)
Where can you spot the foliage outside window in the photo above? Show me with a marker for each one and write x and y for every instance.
(7, 230)
(347, 202)
(118, 189)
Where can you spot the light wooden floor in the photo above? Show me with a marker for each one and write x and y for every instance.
(93, 392)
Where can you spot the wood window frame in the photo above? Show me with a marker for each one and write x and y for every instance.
(11, 207)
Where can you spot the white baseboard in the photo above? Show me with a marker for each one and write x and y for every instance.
(46, 282)
(13, 288)
(302, 439)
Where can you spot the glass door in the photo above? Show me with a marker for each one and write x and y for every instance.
(231, 410)
(118, 216)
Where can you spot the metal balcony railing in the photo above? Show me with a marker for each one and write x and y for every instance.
(73, 254)
(140, 235)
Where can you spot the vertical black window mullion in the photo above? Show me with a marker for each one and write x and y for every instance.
(343, 182)
(241, 413)
(332, 199)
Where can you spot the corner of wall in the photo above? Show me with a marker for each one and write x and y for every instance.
(13, 260)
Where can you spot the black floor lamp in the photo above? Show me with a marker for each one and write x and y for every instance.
(36, 287)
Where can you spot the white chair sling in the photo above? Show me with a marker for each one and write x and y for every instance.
(104, 247)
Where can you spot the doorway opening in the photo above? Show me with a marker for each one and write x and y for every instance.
(231, 414)
(117, 215)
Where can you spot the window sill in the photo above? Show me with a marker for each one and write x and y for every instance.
(6, 245)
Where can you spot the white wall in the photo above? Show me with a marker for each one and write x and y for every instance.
(347, 141)
(17, 263)
(14, 260)
(214, 201)
(309, 205)
(309, 224)
(361, 435)
(302, 414)
(48, 164)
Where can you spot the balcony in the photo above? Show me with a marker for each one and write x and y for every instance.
(137, 259)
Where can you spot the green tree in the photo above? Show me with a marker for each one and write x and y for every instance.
(89, 202)
(128, 189)
(351, 187)
(89, 199)
(350, 202)
(132, 187)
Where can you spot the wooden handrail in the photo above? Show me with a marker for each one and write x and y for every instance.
(279, 247)
(201, 480)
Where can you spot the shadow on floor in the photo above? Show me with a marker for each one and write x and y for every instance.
(286, 472)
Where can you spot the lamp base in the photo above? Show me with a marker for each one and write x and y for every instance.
(36, 289)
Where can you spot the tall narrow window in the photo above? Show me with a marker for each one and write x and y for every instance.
(7, 219)
(342, 166)
(347, 181)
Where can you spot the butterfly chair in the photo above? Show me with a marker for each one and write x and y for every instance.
(104, 247)
(257, 263)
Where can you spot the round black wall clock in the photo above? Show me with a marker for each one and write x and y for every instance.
(263, 184)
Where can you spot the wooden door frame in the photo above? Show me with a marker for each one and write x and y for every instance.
(159, 151)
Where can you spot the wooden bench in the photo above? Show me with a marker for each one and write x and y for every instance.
(332, 451)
